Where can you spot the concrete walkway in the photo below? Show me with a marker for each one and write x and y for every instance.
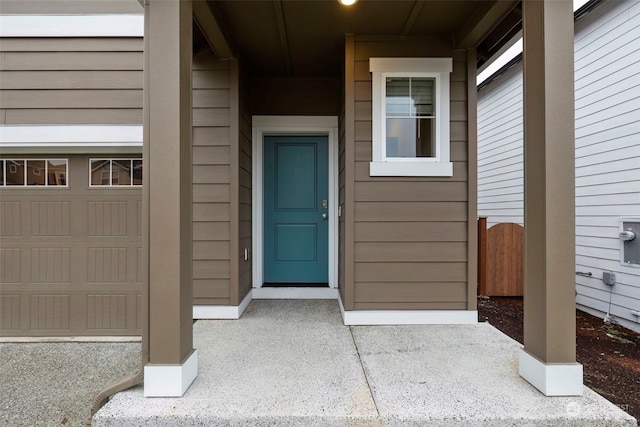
(293, 363)
(54, 383)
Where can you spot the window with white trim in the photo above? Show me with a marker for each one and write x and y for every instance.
(115, 172)
(33, 172)
(410, 117)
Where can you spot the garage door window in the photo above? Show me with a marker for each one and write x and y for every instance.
(115, 172)
(33, 172)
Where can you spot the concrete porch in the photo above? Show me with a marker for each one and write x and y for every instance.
(293, 362)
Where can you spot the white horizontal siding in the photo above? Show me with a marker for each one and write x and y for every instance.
(500, 157)
(607, 102)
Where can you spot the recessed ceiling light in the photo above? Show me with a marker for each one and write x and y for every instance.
(347, 2)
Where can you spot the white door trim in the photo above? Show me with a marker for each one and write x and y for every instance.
(293, 125)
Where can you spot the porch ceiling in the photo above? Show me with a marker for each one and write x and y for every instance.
(298, 38)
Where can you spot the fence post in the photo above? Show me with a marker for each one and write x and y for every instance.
(482, 255)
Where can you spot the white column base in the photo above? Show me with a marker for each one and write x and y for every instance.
(170, 380)
(222, 311)
(407, 317)
(551, 379)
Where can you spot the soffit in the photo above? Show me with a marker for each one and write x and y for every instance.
(306, 37)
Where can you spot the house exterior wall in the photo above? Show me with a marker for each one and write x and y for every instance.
(211, 181)
(607, 75)
(409, 234)
(71, 81)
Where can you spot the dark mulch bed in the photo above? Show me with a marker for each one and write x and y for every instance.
(610, 354)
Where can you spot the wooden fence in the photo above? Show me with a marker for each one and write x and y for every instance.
(500, 259)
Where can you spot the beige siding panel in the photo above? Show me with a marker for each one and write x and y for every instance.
(363, 111)
(50, 265)
(210, 155)
(106, 312)
(418, 211)
(458, 132)
(50, 218)
(411, 232)
(210, 193)
(10, 261)
(211, 136)
(63, 61)
(458, 91)
(390, 272)
(458, 111)
(107, 265)
(411, 252)
(363, 131)
(107, 218)
(362, 91)
(211, 98)
(210, 175)
(411, 292)
(206, 250)
(211, 117)
(49, 312)
(10, 219)
(72, 44)
(70, 79)
(410, 191)
(211, 230)
(9, 312)
(74, 116)
(411, 306)
(210, 79)
(211, 212)
(210, 288)
(70, 7)
(211, 269)
(76, 99)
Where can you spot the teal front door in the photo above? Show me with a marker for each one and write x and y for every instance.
(296, 194)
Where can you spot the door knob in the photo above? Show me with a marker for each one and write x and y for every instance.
(324, 216)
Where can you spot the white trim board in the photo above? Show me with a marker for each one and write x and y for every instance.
(407, 317)
(170, 380)
(551, 379)
(120, 25)
(71, 139)
(222, 311)
(293, 125)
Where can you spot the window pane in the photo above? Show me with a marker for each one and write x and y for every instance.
(36, 172)
(57, 172)
(1, 172)
(410, 138)
(137, 172)
(422, 96)
(398, 98)
(100, 172)
(121, 172)
(15, 172)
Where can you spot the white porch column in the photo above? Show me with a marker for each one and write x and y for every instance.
(548, 360)
(167, 197)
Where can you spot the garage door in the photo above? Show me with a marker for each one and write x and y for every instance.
(70, 246)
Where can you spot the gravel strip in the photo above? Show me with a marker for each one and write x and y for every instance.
(49, 384)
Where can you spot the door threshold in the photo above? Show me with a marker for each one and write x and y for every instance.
(295, 293)
(294, 285)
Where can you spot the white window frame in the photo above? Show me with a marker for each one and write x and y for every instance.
(4, 170)
(111, 185)
(436, 68)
